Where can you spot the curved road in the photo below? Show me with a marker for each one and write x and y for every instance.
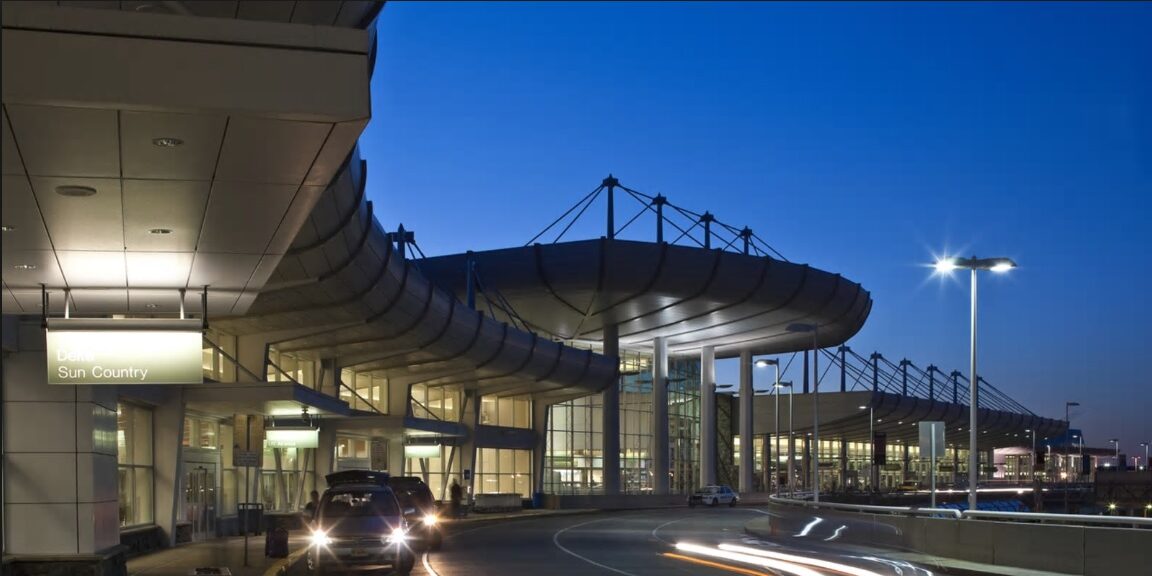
(644, 543)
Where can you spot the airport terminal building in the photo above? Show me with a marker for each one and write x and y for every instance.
(202, 313)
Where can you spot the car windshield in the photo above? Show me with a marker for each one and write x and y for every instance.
(348, 503)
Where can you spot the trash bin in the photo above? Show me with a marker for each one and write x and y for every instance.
(251, 517)
(276, 541)
(537, 500)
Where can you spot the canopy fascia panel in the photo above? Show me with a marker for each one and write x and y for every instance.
(690, 296)
(344, 268)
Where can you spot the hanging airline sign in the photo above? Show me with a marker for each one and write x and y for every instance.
(291, 437)
(124, 351)
(931, 440)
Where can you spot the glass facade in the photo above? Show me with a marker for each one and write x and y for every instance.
(134, 463)
(574, 455)
(364, 391)
(515, 412)
(501, 471)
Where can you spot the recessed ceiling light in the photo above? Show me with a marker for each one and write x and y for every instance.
(167, 142)
(151, 306)
(160, 231)
(76, 191)
(24, 267)
(7, 228)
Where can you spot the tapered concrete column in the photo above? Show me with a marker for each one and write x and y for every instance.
(471, 419)
(660, 464)
(610, 418)
(168, 450)
(325, 453)
(747, 461)
(707, 415)
(540, 452)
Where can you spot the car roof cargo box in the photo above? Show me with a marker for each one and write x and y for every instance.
(357, 477)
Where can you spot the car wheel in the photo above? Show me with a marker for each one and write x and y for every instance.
(732, 503)
(714, 502)
(404, 564)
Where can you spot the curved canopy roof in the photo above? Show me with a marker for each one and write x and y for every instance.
(693, 297)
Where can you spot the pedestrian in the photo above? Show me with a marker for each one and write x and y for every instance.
(313, 504)
(456, 493)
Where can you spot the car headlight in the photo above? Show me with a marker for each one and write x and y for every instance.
(398, 536)
(430, 520)
(320, 538)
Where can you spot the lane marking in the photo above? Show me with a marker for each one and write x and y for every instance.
(836, 534)
(427, 565)
(809, 527)
(556, 541)
(657, 529)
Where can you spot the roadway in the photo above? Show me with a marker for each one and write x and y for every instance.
(644, 543)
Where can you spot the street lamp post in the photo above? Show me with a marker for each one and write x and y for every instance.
(775, 390)
(974, 264)
(872, 450)
(1067, 449)
(1145, 446)
(780, 386)
(791, 441)
(815, 330)
(1116, 443)
(1032, 459)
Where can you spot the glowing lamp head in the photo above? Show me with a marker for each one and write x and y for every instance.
(945, 265)
(1003, 266)
(430, 520)
(398, 536)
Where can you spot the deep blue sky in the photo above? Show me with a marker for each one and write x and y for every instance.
(860, 138)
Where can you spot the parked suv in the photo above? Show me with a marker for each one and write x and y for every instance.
(713, 495)
(419, 510)
(359, 525)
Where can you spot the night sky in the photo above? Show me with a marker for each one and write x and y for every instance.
(863, 139)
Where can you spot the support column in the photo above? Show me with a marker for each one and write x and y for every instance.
(540, 452)
(471, 419)
(60, 472)
(168, 438)
(325, 454)
(747, 461)
(707, 416)
(660, 464)
(766, 457)
(610, 417)
(844, 465)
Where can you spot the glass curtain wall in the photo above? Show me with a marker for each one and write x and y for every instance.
(134, 461)
(437, 402)
(574, 462)
(515, 412)
(364, 391)
(502, 471)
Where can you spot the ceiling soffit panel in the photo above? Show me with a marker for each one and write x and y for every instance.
(81, 222)
(335, 151)
(93, 301)
(316, 12)
(295, 219)
(213, 8)
(194, 158)
(30, 300)
(242, 217)
(152, 206)
(228, 271)
(269, 151)
(21, 213)
(12, 163)
(272, 10)
(31, 269)
(57, 141)
(159, 269)
(93, 269)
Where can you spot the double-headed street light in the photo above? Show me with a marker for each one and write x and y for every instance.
(815, 330)
(974, 264)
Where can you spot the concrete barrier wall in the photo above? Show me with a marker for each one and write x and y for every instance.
(498, 502)
(1088, 550)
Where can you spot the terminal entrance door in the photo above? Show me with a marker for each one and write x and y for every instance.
(200, 497)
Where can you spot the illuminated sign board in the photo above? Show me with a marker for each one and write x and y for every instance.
(422, 451)
(124, 352)
(282, 437)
